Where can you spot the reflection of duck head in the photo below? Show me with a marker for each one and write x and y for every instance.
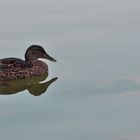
(40, 88)
(32, 84)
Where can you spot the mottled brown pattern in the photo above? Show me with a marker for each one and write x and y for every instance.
(38, 68)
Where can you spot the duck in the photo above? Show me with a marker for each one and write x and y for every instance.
(15, 68)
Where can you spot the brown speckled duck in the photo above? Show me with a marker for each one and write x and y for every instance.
(15, 68)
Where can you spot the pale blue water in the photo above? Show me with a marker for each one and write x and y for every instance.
(97, 94)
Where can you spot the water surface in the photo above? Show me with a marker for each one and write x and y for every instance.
(96, 44)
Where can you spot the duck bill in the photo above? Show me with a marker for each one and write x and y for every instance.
(49, 58)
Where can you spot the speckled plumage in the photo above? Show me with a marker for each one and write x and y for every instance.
(15, 68)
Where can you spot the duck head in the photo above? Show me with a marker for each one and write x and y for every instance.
(36, 51)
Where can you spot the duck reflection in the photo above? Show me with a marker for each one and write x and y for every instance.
(34, 85)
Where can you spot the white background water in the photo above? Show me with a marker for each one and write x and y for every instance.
(97, 46)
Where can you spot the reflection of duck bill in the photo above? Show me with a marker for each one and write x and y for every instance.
(32, 84)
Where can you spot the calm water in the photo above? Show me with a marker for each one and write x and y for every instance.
(97, 46)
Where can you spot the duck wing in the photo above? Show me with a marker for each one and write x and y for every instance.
(14, 63)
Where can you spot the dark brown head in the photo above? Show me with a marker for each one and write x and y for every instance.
(35, 51)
